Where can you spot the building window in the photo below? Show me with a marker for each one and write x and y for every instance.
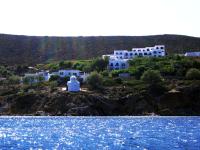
(81, 73)
(140, 54)
(121, 57)
(145, 53)
(116, 53)
(75, 74)
(147, 49)
(123, 64)
(131, 54)
(149, 54)
(126, 54)
(157, 47)
(161, 47)
(154, 52)
(111, 64)
(121, 53)
(117, 64)
(135, 53)
(61, 73)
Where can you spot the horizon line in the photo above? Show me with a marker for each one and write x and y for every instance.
(28, 35)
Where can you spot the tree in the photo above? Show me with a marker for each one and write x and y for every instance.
(99, 64)
(152, 77)
(65, 64)
(14, 79)
(28, 80)
(155, 81)
(40, 78)
(54, 78)
(193, 74)
(95, 80)
(78, 66)
(105, 73)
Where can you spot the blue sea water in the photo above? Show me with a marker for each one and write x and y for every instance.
(90, 133)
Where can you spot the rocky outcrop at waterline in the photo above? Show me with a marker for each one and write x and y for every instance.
(112, 101)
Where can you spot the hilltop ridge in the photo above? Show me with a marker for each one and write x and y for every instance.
(23, 49)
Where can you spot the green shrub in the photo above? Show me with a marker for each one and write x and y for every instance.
(118, 80)
(54, 78)
(105, 73)
(65, 64)
(95, 80)
(53, 84)
(108, 82)
(40, 78)
(137, 85)
(151, 77)
(138, 71)
(167, 70)
(79, 66)
(193, 74)
(114, 73)
(28, 80)
(14, 79)
(97, 64)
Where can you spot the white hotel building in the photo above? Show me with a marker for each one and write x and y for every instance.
(119, 60)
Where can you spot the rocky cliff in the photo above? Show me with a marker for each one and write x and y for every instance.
(184, 100)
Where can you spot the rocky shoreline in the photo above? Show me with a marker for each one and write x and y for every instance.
(112, 101)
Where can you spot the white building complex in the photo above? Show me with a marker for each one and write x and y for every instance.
(119, 60)
(192, 54)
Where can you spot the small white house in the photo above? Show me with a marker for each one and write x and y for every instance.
(73, 85)
(192, 54)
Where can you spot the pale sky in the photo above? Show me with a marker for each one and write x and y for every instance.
(100, 17)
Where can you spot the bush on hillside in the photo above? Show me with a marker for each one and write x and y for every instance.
(115, 73)
(137, 71)
(28, 80)
(65, 65)
(95, 80)
(108, 82)
(193, 74)
(78, 66)
(97, 64)
(118, 80)
(54, 78)
(14, 79)
(151, 77)
(105, 73)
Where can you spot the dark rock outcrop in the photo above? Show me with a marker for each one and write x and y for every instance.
(113, 101)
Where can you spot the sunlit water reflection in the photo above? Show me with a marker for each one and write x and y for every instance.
(141, 133)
